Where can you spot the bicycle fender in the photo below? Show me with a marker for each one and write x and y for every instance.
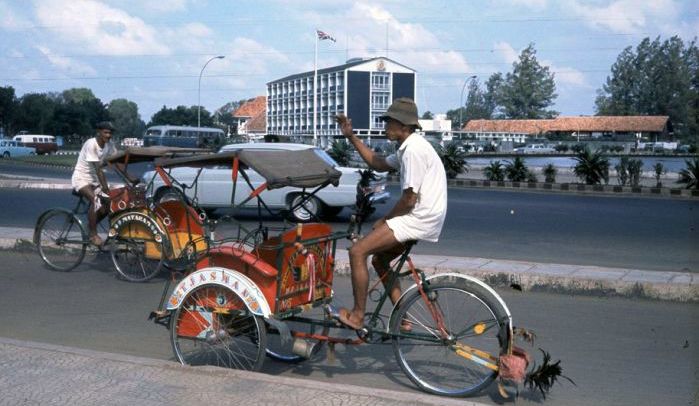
(435, 278)
(243, 286)
(50, 211)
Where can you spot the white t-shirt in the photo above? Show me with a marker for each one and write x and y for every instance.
(423, 171)
(84, 173)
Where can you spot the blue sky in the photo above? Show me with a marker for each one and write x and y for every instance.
(152, 51)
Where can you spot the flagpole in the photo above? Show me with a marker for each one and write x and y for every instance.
(315, 92)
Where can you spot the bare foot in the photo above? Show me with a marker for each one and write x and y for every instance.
(350, 320)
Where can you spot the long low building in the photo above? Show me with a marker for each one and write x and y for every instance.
(623, 128)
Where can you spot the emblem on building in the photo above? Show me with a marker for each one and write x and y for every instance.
(381, 66)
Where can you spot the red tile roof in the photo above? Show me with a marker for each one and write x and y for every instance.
(252, 107)
(581, 124)
(258, 124)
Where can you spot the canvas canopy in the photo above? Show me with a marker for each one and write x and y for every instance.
(280, 168)
(147, 154)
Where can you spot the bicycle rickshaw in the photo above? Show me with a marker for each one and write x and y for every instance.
(251, 294)
(141, 238)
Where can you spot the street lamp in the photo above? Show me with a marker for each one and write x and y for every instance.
(199, 91)
(461, 104)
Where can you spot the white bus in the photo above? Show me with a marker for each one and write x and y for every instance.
(183, 136)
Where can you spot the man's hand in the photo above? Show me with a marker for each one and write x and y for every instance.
(345, 125)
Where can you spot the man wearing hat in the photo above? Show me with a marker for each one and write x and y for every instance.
(88, 178)
(419, 213)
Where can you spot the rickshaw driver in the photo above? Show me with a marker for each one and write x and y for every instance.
(88, 178)
(418, 215)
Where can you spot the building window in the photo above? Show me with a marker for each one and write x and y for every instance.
(380, 80)
(379, 101)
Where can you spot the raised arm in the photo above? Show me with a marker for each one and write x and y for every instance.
(375, 161)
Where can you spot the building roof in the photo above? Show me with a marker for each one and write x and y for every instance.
(252, 107)
(258, 124)
(573, 124)
(350, 63)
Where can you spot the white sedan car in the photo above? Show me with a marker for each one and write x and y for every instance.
(214, 187)
(10, 149)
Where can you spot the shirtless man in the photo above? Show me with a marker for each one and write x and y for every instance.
(419, 213)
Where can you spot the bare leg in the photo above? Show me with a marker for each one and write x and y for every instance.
(380, 239)
(381, 262)
(93, 216)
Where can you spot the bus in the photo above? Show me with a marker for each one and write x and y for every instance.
(44, 144)
(183, 136)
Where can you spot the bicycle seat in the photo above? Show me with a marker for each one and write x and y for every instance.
(75, 193)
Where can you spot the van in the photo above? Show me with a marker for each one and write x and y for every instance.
(44, 144)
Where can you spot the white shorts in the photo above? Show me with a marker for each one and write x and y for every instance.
(407, 228)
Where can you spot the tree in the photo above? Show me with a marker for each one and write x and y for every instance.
(427, 115)
(549, 172)
(125, 117)
(658, 78)
(689, 176)
(35, 113)
(592, 168)
(516, 170)
(77, 113)
(8, 109)
(453, 159)
(341, 152)
(494, 171)
(528, 91)
(181, 115)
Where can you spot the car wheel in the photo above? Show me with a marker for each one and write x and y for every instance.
(6, 154)
(310, 210)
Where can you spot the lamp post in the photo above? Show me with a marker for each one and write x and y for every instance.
(199, 90)
(461, 103)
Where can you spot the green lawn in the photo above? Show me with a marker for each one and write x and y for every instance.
(60, 160)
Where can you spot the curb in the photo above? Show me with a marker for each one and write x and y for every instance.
(586, 280)
(190, 379)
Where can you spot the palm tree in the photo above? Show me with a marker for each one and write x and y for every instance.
(659, 171)
(494, 171)
(550, 173)
(690, 175)
(592, 168)
(453, 158)
(516, 170)
(341, 152)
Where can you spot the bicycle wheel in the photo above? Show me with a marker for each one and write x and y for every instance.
(136, 255)
(282, 352)
(471, 316)
(213, 326)
(61, 240)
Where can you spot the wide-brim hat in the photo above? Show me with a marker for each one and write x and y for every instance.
(105, 125)
(403, 110)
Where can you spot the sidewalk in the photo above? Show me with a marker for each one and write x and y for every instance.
(40, 374)
(563, 278)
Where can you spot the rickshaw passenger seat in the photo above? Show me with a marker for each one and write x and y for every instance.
(253, 261)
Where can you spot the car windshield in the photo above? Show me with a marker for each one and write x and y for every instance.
(324, 155)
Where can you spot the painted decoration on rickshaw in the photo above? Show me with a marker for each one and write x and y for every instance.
(240, 285)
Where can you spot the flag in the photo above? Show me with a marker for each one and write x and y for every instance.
(322, 35)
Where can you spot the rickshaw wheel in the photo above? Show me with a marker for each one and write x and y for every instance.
(471, 315)
(61, 240)
(213, 326)
(137, 258)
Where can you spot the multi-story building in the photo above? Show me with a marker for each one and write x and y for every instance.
(361, 88)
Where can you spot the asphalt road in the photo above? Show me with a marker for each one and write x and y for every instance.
(618, 351)
(611, 231)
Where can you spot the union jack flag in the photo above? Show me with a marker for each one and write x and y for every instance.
(322, 35)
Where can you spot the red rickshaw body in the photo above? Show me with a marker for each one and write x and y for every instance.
(293, 269)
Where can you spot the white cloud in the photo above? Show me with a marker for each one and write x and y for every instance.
(99, 28)
(165, 6)
(506, 51)
(626, 16)
(65, 63)
(412, 44)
